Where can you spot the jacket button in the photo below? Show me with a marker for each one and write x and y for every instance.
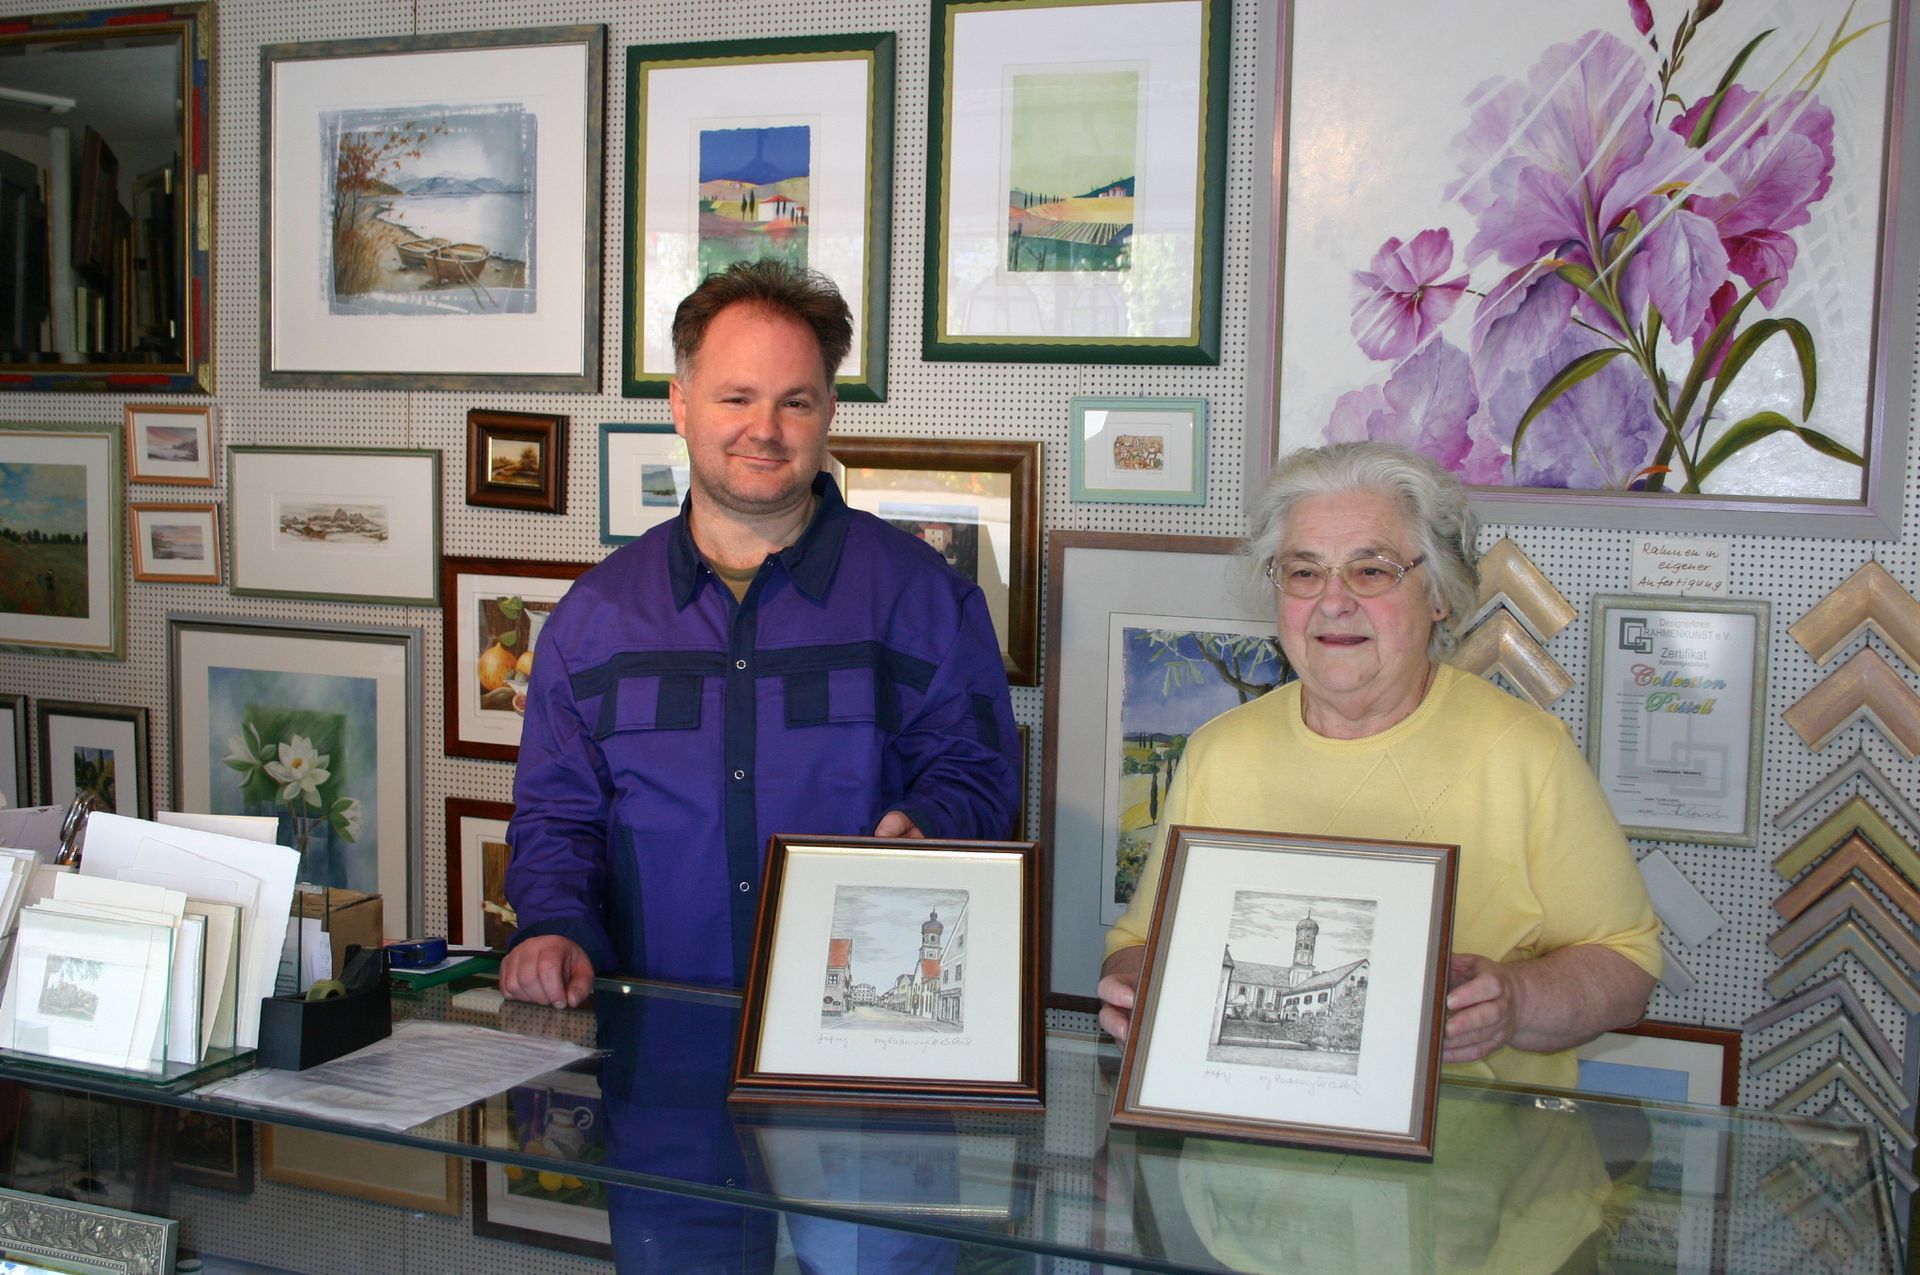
(739, 774)
(744, 887)
(740, 664)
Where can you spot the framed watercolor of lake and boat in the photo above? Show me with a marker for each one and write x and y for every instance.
(175, 544)
(319, 727)
(895, 972)
(432, 210)
(751, 149)
(1294, 991)
(349, 524)
(493, 610)
(62, 565)
(1611, 264)
(1077, 153)
(643, 479)
(99, 749)
(1148, 637)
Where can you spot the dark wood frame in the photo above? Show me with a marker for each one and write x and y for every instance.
(1018, 460)
(237, 1177)
(93, 229)
(459, 808)
(22, 767)
(142, 751)
(137, 507)
(1727, 1042)
(548, 432)
(1417, 1143)
(451, 663)
(752, 1085)
(497, 1107)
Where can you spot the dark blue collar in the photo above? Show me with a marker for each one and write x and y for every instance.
(810, 561)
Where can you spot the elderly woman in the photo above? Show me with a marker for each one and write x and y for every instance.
(1370, 551)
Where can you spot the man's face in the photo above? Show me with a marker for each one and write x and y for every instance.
(754, 408)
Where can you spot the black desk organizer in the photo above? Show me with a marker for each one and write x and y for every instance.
(296, 1033)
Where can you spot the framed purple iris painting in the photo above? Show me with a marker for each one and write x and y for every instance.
(1613, 262)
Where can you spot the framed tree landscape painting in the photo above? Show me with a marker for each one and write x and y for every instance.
(431, 211)
(754, 149)
(1617, 264)
(62, 556)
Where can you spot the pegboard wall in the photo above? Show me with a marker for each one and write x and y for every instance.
(933, 400)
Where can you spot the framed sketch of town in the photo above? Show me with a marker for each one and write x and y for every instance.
(1294, 991)
(353, 524)
(895, 972)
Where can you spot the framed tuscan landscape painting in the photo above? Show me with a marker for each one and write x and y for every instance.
(62, 556)
(1699, 329)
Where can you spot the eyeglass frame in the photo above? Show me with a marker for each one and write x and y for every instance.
(1325, 571)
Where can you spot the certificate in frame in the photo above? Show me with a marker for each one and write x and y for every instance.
(1676, 690)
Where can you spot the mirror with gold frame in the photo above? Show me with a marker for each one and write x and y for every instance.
(106, 199)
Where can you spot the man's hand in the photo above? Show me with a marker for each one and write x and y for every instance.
(1481, 1008)
(548, 970)
(1118, 977)
(896, 824)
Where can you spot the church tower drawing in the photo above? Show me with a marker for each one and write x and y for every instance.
(930, 933)
(1305, 936)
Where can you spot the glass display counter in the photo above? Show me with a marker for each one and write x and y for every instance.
(638, 1149)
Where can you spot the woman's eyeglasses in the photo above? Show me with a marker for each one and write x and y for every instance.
(1364, 577)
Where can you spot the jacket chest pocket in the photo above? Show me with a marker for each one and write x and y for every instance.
(817, 697)
(662, 701)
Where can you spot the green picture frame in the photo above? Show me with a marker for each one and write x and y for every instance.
(1036, 246)
(1146, 451)
(838, 86)
(66, 593)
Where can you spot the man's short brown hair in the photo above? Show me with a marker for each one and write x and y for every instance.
(806, 296)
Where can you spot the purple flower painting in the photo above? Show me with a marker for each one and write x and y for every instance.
(1595, 248)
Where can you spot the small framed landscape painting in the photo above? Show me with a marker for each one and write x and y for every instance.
(517, 460)
(1294, 991)
(170, 444)
(643, 479)
(97, 749)
(895, 972)
(63, 592)
(176, 544)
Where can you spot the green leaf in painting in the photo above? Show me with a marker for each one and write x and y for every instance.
(1744, 433)
(1562, 381)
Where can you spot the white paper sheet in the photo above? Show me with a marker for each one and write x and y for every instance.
(406, 1079)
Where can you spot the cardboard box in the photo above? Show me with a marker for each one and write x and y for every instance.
(349, 917)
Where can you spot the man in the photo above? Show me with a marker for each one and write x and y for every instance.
(770, 661)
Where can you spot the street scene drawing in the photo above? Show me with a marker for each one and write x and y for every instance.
(1293, 982)
(896, 960)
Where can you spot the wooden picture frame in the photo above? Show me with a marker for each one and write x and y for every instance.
(1812, 454)
(175, 544)
(841, 913)
(341, 524)
(492, 611)
(517, 460)
(644, 477)
(1035, 245)
(1241, 1049)
(353, 694)
(1663, 1062)
(97, 748)
(477, 856)
(84, 1238)
(562, 1114)
(1121, 608)
(16, 788)
(216, 1152)
(1143, 451)
(977, 501)
(505, 297)
(793, 104)
(406, 1177)
(67, 592)
(1676, 714)
(170, 443)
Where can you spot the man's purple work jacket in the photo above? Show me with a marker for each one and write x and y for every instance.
(670, 731)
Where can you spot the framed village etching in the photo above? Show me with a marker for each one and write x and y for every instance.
(1714, 343)
(168, 444)
(14, 788)
(64, 592)
(1676, 715)
(175, 544)
(348, 524)
(517, 460)
(978, 503)
(95, 748)
(894, 972)
(317, 727)
(1078, 160)
(643, 479)
(751, 149)
(477, 856)
(432, 211)
(1294, 991)
(493, 611)
(1148, 637)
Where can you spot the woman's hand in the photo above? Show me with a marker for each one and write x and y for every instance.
(1552, 1002)
(1118, 977)
(1480, 1008)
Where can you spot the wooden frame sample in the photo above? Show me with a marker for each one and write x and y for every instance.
(16, 788)
(1861, 766)
(66, 590)
(344, 524)
(492, 611)
(175, 544)
(1677, 698)
(1855, 855)
(477, 856)
(977, 501)
(1237, 1046)
(1503, 644)
(929, 956)
(168, 443)
(797, 166)
(1667, 1062)
(517, 460)
(1866, 686)
(1139, 450)
(1506, 571)
(1869, 600)
(1059, 185)
(408, 1177)
(386, 260)
(103, 750)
